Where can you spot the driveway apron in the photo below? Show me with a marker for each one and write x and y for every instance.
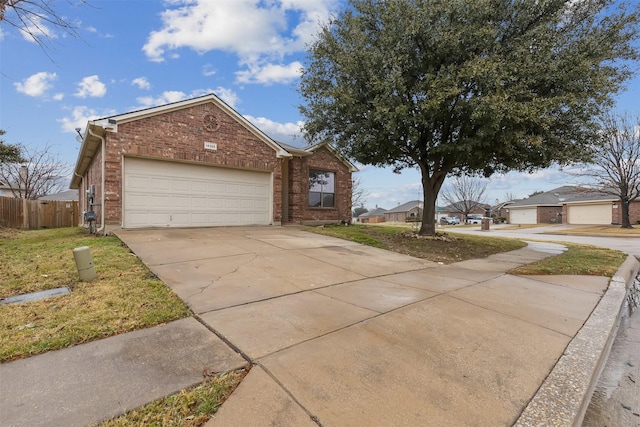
(343, 334)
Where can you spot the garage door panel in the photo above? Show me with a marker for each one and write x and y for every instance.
(182, 185)
(167, 194)
(595, 214)
(523, 216)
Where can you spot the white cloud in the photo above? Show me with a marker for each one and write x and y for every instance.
(227, 95)
(79, 117)
(208, 70)
(142, 83)
(36, 28)
(169, 96)
(261, 33)
(91, 86)
(288, 133)
(166, 97)
(37, 84)
(270, 73)
(58, 96)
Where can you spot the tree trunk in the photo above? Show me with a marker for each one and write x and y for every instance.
(624, 205)
(430, 188)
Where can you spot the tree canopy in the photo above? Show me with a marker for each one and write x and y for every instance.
(466, 86)
(9, 153)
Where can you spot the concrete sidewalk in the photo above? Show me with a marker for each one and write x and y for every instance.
(338, 333)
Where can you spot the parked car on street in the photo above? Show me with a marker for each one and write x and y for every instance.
(450, 220)
(474, 219)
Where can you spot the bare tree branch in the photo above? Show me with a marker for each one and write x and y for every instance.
(41, 174)
(616, 161)
(358, 193)
(465, 195)
(32, 17)
(510, 196)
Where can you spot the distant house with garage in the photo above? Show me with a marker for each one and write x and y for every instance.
(199, 163)
(596, 208)
(410, 211)
(543, 208)
(456, 210)
(372, 216)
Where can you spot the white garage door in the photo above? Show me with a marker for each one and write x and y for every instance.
(589, 214)
(523, 216)
(168, 194)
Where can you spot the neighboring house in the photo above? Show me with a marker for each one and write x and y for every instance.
(199, 163)
(405, 212)
(68, 195)
(500, 210)
(595, 208)
(5, 190)
(373, 216)
(456, 209)
(6, 187)
(543, 208)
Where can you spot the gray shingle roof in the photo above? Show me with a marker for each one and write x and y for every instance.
(64, 195)
(406, 207)
(373, 213)
(553, 197)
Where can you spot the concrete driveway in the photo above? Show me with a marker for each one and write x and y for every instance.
(344, 334)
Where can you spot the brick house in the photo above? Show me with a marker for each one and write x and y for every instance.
(199, 163)
(543, 208)
(410, 211)
(595, 208)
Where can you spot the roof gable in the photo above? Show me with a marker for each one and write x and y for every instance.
(111, 122)
(406, 207)
(351, 166)
(96, 129)
(373, 212)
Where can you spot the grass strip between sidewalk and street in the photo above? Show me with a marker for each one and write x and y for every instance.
(124, 297)
(191, 407)
(580, 260)
(445, 248)
(577, 260)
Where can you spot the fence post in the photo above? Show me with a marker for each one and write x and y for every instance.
(25, 214)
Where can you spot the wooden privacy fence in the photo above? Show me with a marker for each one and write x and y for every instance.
(36, 214)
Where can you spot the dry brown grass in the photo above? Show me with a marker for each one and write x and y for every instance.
(124, 297)
(600, 231)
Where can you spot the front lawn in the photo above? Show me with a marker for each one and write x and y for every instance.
(446, 248)
(125, 296)
(449, 248)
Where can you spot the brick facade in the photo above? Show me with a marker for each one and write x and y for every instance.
(549, 215)
(179, 135)
(299, 209)
(634, 213)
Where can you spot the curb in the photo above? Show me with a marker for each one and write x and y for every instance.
(564, 396)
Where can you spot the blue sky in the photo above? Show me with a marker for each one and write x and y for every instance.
(133, 54)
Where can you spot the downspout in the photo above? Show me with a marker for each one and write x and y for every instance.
(101, 229)
(81, 217)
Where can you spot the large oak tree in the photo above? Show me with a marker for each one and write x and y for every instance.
(466, 86)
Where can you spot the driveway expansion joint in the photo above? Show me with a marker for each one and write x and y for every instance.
(312, 417)
(224, 339)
